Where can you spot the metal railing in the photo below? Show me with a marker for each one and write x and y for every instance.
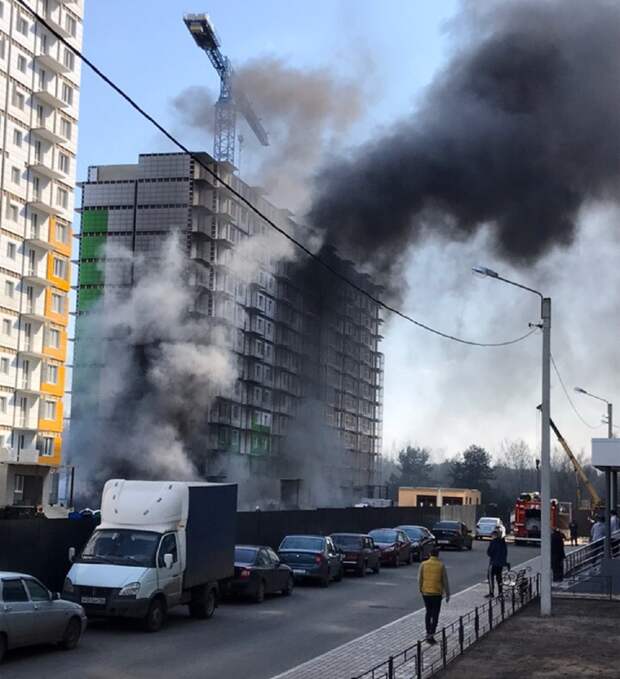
(589, 556)
(419, 661)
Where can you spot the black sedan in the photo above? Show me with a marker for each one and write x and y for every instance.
(359, 552)
(394, 544)
(259, 571)
(452, 534)
(313, 557)
(422, 540)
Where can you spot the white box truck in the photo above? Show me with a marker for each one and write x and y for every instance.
(159, 544)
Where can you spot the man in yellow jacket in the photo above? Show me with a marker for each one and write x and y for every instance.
(433, 583)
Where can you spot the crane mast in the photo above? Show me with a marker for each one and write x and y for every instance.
(231, 100)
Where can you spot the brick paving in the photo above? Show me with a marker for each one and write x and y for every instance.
(361, 654)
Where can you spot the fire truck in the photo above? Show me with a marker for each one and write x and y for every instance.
(525, 519)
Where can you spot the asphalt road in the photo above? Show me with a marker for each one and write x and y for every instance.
(245, 640)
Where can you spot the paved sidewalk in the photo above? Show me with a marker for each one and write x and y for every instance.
(363, 653)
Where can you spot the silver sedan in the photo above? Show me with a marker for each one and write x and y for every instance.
(31, 614)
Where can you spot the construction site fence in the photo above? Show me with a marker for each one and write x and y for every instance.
(40, 546)
(420, 660)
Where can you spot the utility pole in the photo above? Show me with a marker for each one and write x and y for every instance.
(545, 466)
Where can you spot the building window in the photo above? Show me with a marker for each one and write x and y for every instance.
(69, 59)
(2, 48)
(22, 63)
(7, 327)
(62, 198)
(67, 94)
(18, 137)
(12, 211)
(52, 374)
(3, 405)
(63, 162)
(50, 410)
(57, 303)
(45, 444)
(9, 289)
(22, 25)
(19, 101)
(16, 176)
(54, 338)
(1, 10)
(60, 268)
(65, 128)
(70, 25)
(62, 233)
(11, 250)
(4, 366)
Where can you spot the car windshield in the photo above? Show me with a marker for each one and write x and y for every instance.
(348, 541)
(383, 535)
(492, 521)
(131, 547)
(414, 532)
(446, 525)
(245, 555)
(303, 542)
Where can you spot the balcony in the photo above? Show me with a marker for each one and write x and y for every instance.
(23, 456)
(26, 423)
(34, 277)
(33, 314)
(50, 99)
(46, 170)
(33, 238)
(37, 203)
(45, 132)
(30, 350)
(58, 27)
(47, 60)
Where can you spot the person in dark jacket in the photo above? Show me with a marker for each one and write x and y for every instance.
(573, 532)
(498, 558)
(557, 555)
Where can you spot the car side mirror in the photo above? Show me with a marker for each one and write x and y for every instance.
(71, 554)
(56, 596)
(168, 561)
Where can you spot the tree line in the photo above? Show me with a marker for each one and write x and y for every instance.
(500, 479)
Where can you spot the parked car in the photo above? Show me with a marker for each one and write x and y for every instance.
(487, 524)
(31, 614)
(452, 534)
(359, 552)
(314, 557)
(259, 571)
(394, 544)
(422, 541)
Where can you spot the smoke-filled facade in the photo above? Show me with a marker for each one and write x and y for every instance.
(205, 350)
(519, 132)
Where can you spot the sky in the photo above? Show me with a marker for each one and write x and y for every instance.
(439, 394)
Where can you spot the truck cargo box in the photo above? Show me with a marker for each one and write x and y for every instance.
(210, 533)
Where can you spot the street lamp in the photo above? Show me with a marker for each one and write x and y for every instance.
(611, 478)
(545, 453)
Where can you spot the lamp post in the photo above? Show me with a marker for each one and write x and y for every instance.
(545, 453)
(611, 478)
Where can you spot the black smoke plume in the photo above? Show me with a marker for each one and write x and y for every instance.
(518, 132)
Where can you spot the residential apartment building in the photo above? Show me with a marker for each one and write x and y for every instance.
(306, 344)
(39, 101)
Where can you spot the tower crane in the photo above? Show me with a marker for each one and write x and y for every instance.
(232, 100)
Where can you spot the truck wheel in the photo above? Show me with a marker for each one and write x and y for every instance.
(71, 637)
(259, 597)
(362, 568)
(155, 617)
(324, 582)
(203, 604)
(377, 568)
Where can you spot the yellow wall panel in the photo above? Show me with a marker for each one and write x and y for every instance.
(54, 425)
(55, 389)
(63, 248)
(61, 283)
(55, 459)
(61, 353)
(61, 319)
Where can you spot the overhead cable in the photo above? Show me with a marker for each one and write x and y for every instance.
(196, 158)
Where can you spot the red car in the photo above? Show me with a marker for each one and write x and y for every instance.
(395, 546)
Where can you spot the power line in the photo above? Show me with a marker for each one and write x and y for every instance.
(252, 207)
(569, 399)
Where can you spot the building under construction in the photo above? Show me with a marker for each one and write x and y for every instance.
(310, 374)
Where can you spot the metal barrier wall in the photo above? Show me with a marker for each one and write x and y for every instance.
(40, 546)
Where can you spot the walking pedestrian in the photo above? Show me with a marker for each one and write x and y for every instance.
(498, 558)
(598, 529)
(433, 584)
(557, 555)
(572, 526)
(615, 521)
